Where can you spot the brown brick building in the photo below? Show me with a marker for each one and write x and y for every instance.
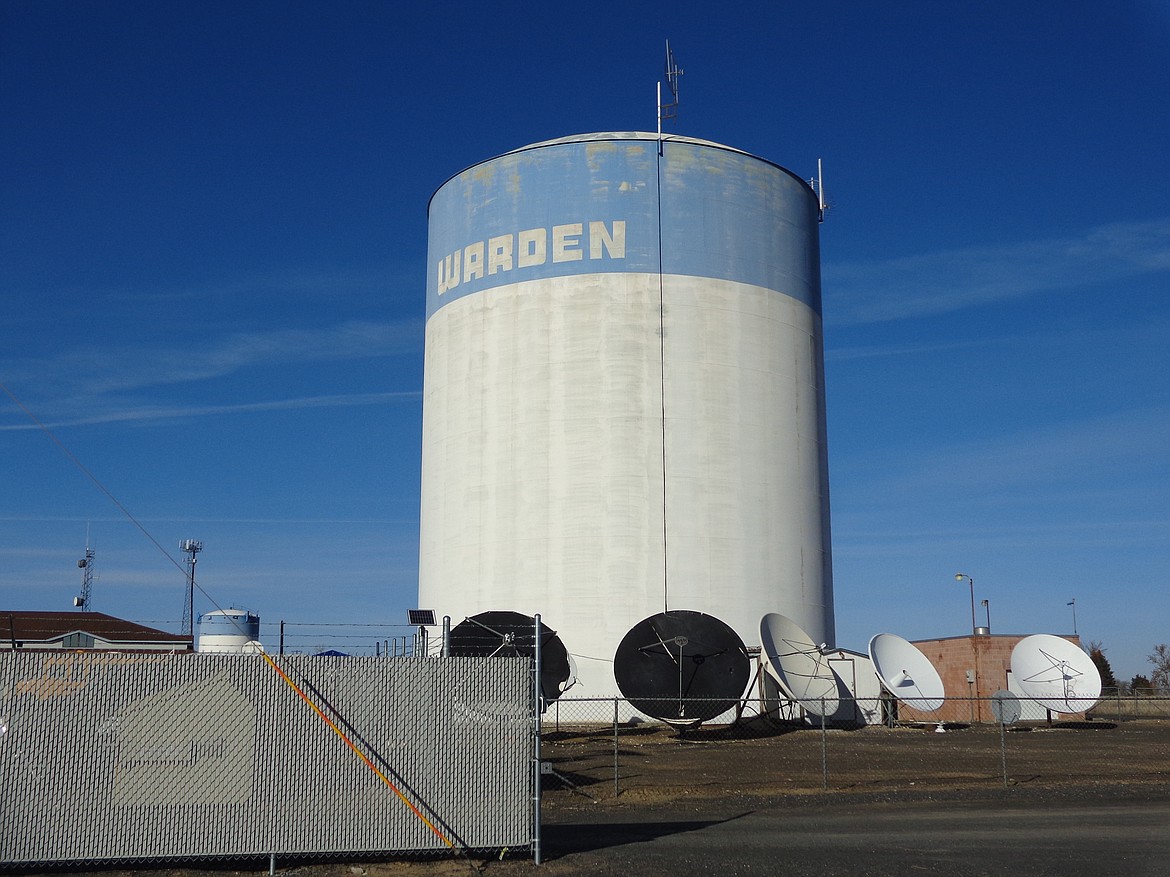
(84, 630)
(972, 668)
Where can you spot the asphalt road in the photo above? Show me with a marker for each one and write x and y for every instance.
(929, 837)
(1038, 836)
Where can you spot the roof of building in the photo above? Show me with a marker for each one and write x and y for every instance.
(34, 626)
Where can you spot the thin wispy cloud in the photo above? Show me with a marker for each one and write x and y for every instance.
(1100, 469)
(1080, 452)
(894, 540)
(146, 414)
(298, 285)
(91, 385)
(952, 280)
(100, 370)
(845, 354)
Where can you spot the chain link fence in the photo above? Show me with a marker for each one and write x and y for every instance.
(120, 757)
(1128, 704)
(112, 757)
(604, 748)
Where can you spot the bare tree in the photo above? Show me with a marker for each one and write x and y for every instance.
(1161, 661)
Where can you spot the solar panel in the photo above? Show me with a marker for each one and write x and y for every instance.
(421, 616)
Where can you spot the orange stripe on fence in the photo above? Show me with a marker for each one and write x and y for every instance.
(358, 752)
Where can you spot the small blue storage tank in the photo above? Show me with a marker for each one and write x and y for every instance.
(228, 630)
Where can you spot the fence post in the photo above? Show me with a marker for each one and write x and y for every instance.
(616, 790)
(1003, 751)
(536, 766)
(824, 750)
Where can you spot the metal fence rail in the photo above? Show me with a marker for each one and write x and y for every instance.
(1125, 705)
(109, 757)
(603, 747)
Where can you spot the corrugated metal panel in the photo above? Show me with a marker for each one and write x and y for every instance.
(121, 757)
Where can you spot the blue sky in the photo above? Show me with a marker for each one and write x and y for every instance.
(212, 269)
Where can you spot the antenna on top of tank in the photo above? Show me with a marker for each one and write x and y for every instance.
(817, 184)
(670, 110)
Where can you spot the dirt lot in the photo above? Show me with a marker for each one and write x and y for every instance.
(722, 802)
(656, 765)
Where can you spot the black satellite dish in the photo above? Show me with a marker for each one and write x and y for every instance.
(511, 635)
(682, 667)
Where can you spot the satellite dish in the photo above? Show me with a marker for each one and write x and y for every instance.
(1056, 673)
(797, 665)
(252, 647)
(511, 634)
(681, 666)
(1005, 706)
(906, 672)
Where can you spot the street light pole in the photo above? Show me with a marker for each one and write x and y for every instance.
(959, 576)
(1073, 604)
(976, 706)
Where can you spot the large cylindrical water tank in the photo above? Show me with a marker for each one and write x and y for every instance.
(623, 397)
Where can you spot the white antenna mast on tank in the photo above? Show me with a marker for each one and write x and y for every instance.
(670, 110)
(818, 186)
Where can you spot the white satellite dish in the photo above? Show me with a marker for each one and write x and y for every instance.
(252, 647)
(906, 672)
(797, 665)
(1056, 673)
(1005, 706)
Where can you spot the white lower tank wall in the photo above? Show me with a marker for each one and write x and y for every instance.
(543, 458)
(211, 644)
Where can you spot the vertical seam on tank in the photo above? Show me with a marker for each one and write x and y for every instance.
(662, 389)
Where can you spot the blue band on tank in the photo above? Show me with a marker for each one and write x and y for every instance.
(229, 625)
(592, 206)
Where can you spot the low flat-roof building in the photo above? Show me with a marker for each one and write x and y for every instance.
(972, 669)
(38, 631)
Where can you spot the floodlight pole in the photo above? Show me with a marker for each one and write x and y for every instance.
(959, 576)
(974, 690)
(1073, 604)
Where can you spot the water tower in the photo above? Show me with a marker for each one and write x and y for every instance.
(623, 399)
